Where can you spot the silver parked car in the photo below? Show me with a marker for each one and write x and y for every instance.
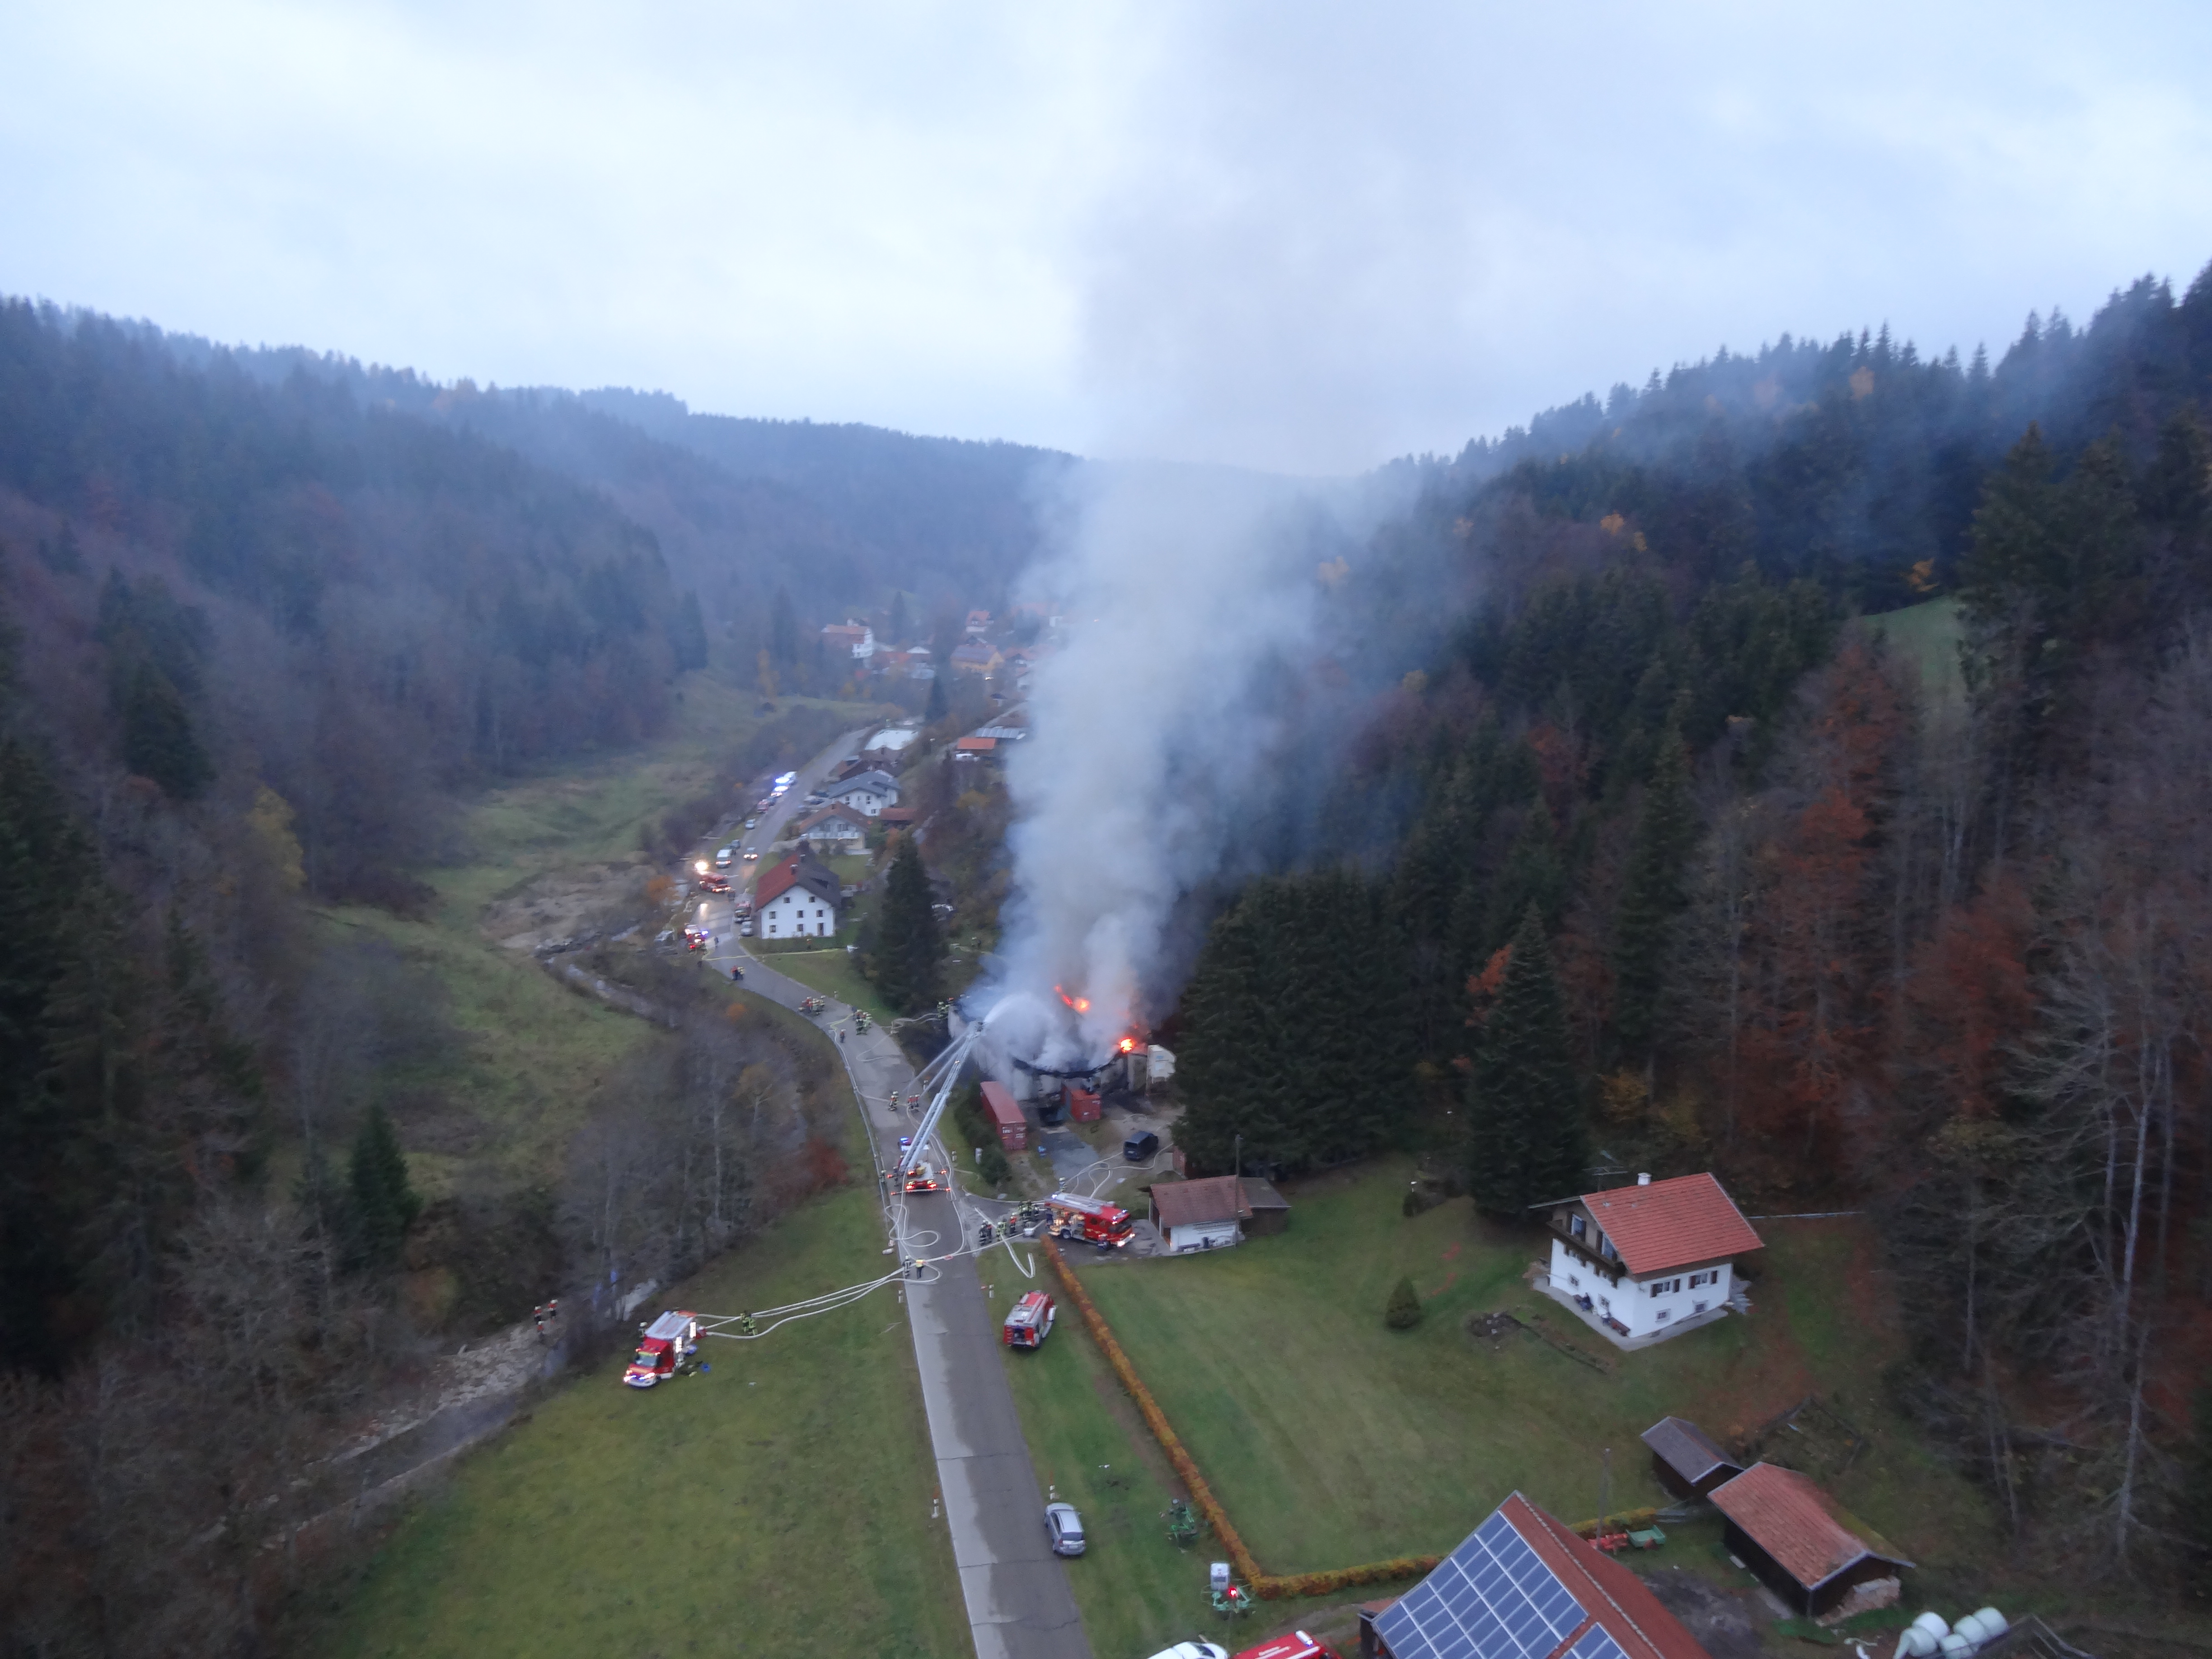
(1065, 1528)
(1197, 1648)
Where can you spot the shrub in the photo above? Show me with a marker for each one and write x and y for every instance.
(1404, 1310)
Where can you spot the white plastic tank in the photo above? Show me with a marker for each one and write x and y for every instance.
(1981, 1627)
(1955, 1646)
(1921, 1637)
(1217, 1575)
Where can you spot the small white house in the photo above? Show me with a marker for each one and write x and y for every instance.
(840, 826)
(1644, 1262)
(798, 899)
(866, 792)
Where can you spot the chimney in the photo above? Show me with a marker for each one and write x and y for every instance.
(1643, 1181)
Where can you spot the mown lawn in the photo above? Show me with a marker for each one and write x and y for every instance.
(1139, 1593)
(1332, 1440)
(830, 972)
(778, 1503)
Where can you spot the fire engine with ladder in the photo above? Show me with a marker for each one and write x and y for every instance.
(1090, 1221)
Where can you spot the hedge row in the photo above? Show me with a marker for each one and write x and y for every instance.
(1267, 1586)
(1619, 1520)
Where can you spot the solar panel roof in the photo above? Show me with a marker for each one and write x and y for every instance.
(1491, 1598)
(1595, 1645)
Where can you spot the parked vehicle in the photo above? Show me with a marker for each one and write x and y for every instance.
(1141, 1145)
(1091, 1220)
(922, 1178)
(1196, 1648)
(662, 1348)
(1028, 1323)
(714, 884)
(722, 857)
(1065, 1528)
(746, 928)
(1296, 1646)
(696, 938)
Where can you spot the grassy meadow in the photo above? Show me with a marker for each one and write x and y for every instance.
(1332, 1440)
(779, 1503)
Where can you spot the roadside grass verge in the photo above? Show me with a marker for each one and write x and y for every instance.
(1332, 1441)
(1139, 1593)
(829, 971)
(778, 1503)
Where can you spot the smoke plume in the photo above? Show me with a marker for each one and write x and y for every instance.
(1189, 598)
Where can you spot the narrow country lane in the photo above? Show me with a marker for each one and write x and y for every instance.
(1019, 1603)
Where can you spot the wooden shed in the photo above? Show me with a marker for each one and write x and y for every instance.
(1809, 1550)
(1267, 1210)
(1684, 1458)
(1005, 1114)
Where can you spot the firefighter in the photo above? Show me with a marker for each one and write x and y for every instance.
(745, 1324)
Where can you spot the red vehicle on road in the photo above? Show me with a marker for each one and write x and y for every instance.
(1093, 1220)
(1028, 1323)
(663, 1346)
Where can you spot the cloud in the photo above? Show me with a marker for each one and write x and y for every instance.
(1288, 235)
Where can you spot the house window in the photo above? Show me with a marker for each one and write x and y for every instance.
(1665, 1287)
(1664, 1315)
(1576, 1227)
(1574, 1281)
(1700, 1308)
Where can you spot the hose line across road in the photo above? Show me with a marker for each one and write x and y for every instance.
(1020, 1603)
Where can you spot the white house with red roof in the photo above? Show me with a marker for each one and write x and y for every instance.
(1642, 1263)
(798, 899)
(1524, 1586)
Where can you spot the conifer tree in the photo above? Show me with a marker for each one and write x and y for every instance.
(1525, 1128)
(907, 945)
(1652, 895)
(936, 709)
(1533, 873)
(157, 735)
(384, 1203)
(1403, 1311)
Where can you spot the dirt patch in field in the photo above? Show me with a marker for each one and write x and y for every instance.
(562, 904)
(1721, 1620)
(1492, 1331)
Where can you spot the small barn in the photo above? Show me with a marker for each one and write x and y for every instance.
(1810, 1551)
(1686, 1459)
(1266, 1210)
(1006, 1116)
(1198, 1215)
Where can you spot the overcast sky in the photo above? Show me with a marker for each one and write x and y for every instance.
(1299, 236)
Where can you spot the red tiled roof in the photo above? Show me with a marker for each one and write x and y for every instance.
(775, 882)
(1672, 1224)
(836, 809)
(1614, 1597)
(900, 814)
(1810, 1536)
(976, 745)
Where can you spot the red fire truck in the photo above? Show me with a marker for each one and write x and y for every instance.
(1090, 1219)
(665, 1345)
(1030, 1323)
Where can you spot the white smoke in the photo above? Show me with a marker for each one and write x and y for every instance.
(1184, 590)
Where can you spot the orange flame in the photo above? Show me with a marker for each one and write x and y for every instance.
(1081, 1004)
(1128, 1045)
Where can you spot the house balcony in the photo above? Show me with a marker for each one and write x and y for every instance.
(1582, 1251)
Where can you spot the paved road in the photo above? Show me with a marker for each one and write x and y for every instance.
(1020, 1603)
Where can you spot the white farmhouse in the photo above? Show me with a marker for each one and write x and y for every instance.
(868, 792)
(844, 828)
(798, 899)
(1642, 1263)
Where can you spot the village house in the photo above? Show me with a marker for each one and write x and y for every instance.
(845, 828)
(1524, 1586)
(868, 792)
(891, 740)
(975, 657)
(856, 639)
(798, 899)
(975, 749)
(1644, 1262)
(899, 818)
(1198, 1215)
(979, 623)
(1817, 1557)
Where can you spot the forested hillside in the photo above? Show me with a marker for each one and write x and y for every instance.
(1857, 924)
(268, 623)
